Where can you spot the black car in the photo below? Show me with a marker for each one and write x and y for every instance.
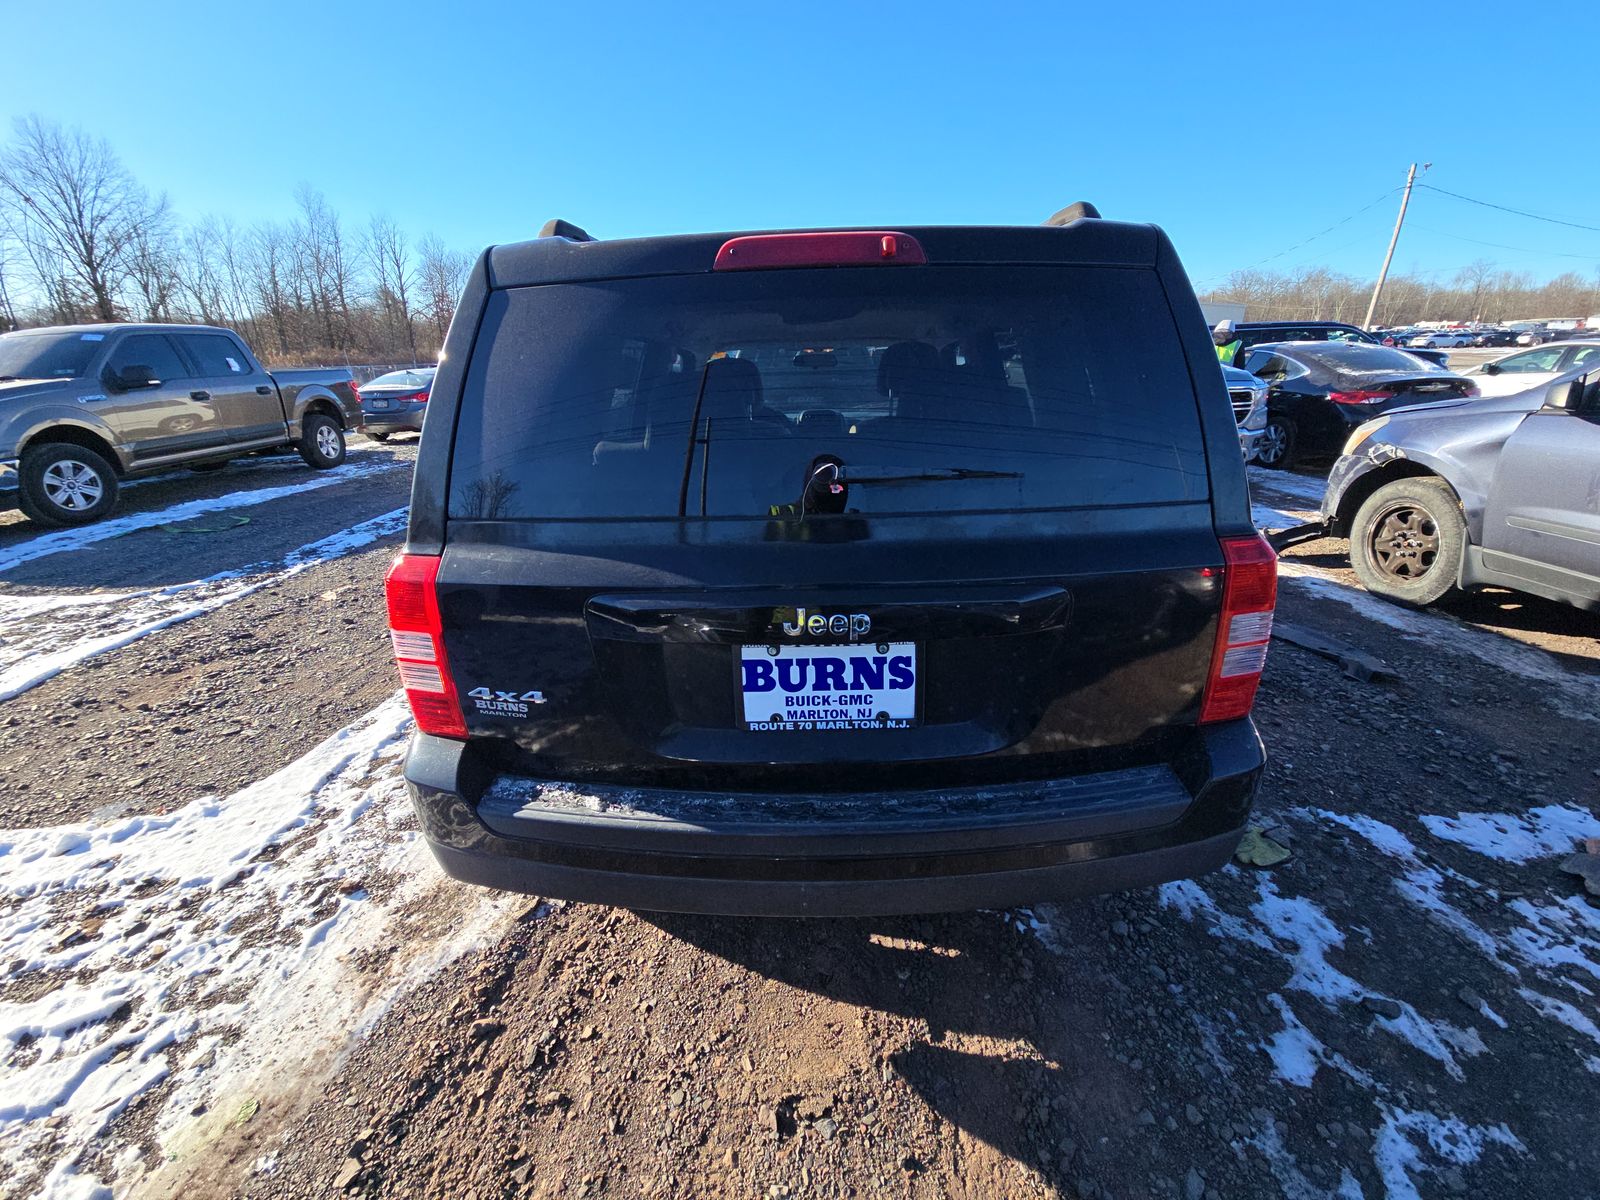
(855, 571)
(396, 402)
(1495, 337)
(1318, 392)
(1256, 333)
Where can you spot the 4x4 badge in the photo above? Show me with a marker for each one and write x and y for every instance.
(855, 625)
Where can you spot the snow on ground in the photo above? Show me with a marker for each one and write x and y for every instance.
(1441, 632)
(205, 952)
(1554, 945)
(41, 636)
(1307, 490)
(1297, 929)
(1512, 837)
(1455, 1142)
(27, 549)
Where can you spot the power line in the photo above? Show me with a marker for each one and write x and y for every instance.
(1306, 241)
(1502, 246)
(1516, 211)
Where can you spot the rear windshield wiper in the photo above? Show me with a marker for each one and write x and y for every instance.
(828, 482)
(917, 474)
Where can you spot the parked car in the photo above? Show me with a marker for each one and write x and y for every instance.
(1434, 339)
(396, 402)
(86, 406)
(1495, 337)
(1248, 396)
(1531, 368)
(1319, 391)
(955, 610)
(1494, 492)
(1536, 337)
(1255, 333)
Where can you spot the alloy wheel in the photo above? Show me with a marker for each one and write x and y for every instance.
(72, 485)
(328, 441)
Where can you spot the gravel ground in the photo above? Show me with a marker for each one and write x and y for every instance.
(1402, 1008)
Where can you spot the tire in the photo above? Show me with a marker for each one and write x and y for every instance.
(1278, 447)
(63, 484)
(1407, 540)
(321, 441)
(378, 437)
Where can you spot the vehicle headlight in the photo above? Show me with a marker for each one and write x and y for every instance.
(1363, 432)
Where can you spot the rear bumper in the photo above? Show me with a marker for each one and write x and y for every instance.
(835, 855)
(394, 420)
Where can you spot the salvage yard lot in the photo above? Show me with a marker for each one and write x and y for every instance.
(232, 970)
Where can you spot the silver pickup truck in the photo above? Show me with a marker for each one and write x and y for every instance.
(85, 406)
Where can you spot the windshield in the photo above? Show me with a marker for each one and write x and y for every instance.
(47, 355)
(400, 379)
(933, 389)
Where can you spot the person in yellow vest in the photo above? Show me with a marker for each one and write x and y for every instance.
(1228, 342)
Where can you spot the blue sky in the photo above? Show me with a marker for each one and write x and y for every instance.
(1242, 130)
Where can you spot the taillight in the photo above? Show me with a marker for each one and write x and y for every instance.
(417, 634)
(355, 391)
(1249, 593)
(1469, 388)
(1358, 397)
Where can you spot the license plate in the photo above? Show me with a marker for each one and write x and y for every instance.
(378, 403)
(803, 688)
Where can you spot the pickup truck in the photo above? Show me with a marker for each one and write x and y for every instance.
(85, 406)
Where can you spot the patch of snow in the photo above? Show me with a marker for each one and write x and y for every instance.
(27, 549)
(1292, 1181)
(205, 947)
(1539, 833)
(1266, 517)
(1399, 1158)
(1560, 1010)
(1307, 491)
(1296, 929)
(41, 636)
(1577, 691)
(1294, 1049)
(1302, 926)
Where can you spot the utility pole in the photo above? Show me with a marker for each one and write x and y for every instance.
(1405, 199)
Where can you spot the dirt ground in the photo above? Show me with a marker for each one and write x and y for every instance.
(1405, 1007)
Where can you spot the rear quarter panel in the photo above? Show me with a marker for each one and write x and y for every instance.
(300, 389)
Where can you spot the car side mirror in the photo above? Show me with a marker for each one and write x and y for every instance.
(1569, 395)
(133, 377)
(1491, 368)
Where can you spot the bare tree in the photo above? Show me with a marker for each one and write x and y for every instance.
(153, 270)
(81, 206)
(1473, 279)
(394, 277)
(444, 273)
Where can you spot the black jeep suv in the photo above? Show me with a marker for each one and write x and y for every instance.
(847, 571)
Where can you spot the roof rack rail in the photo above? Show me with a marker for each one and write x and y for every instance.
(1072, 212)
(556, 227)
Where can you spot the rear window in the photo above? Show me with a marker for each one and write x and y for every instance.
(401, 379)
(930, 389)
(1352, 359)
